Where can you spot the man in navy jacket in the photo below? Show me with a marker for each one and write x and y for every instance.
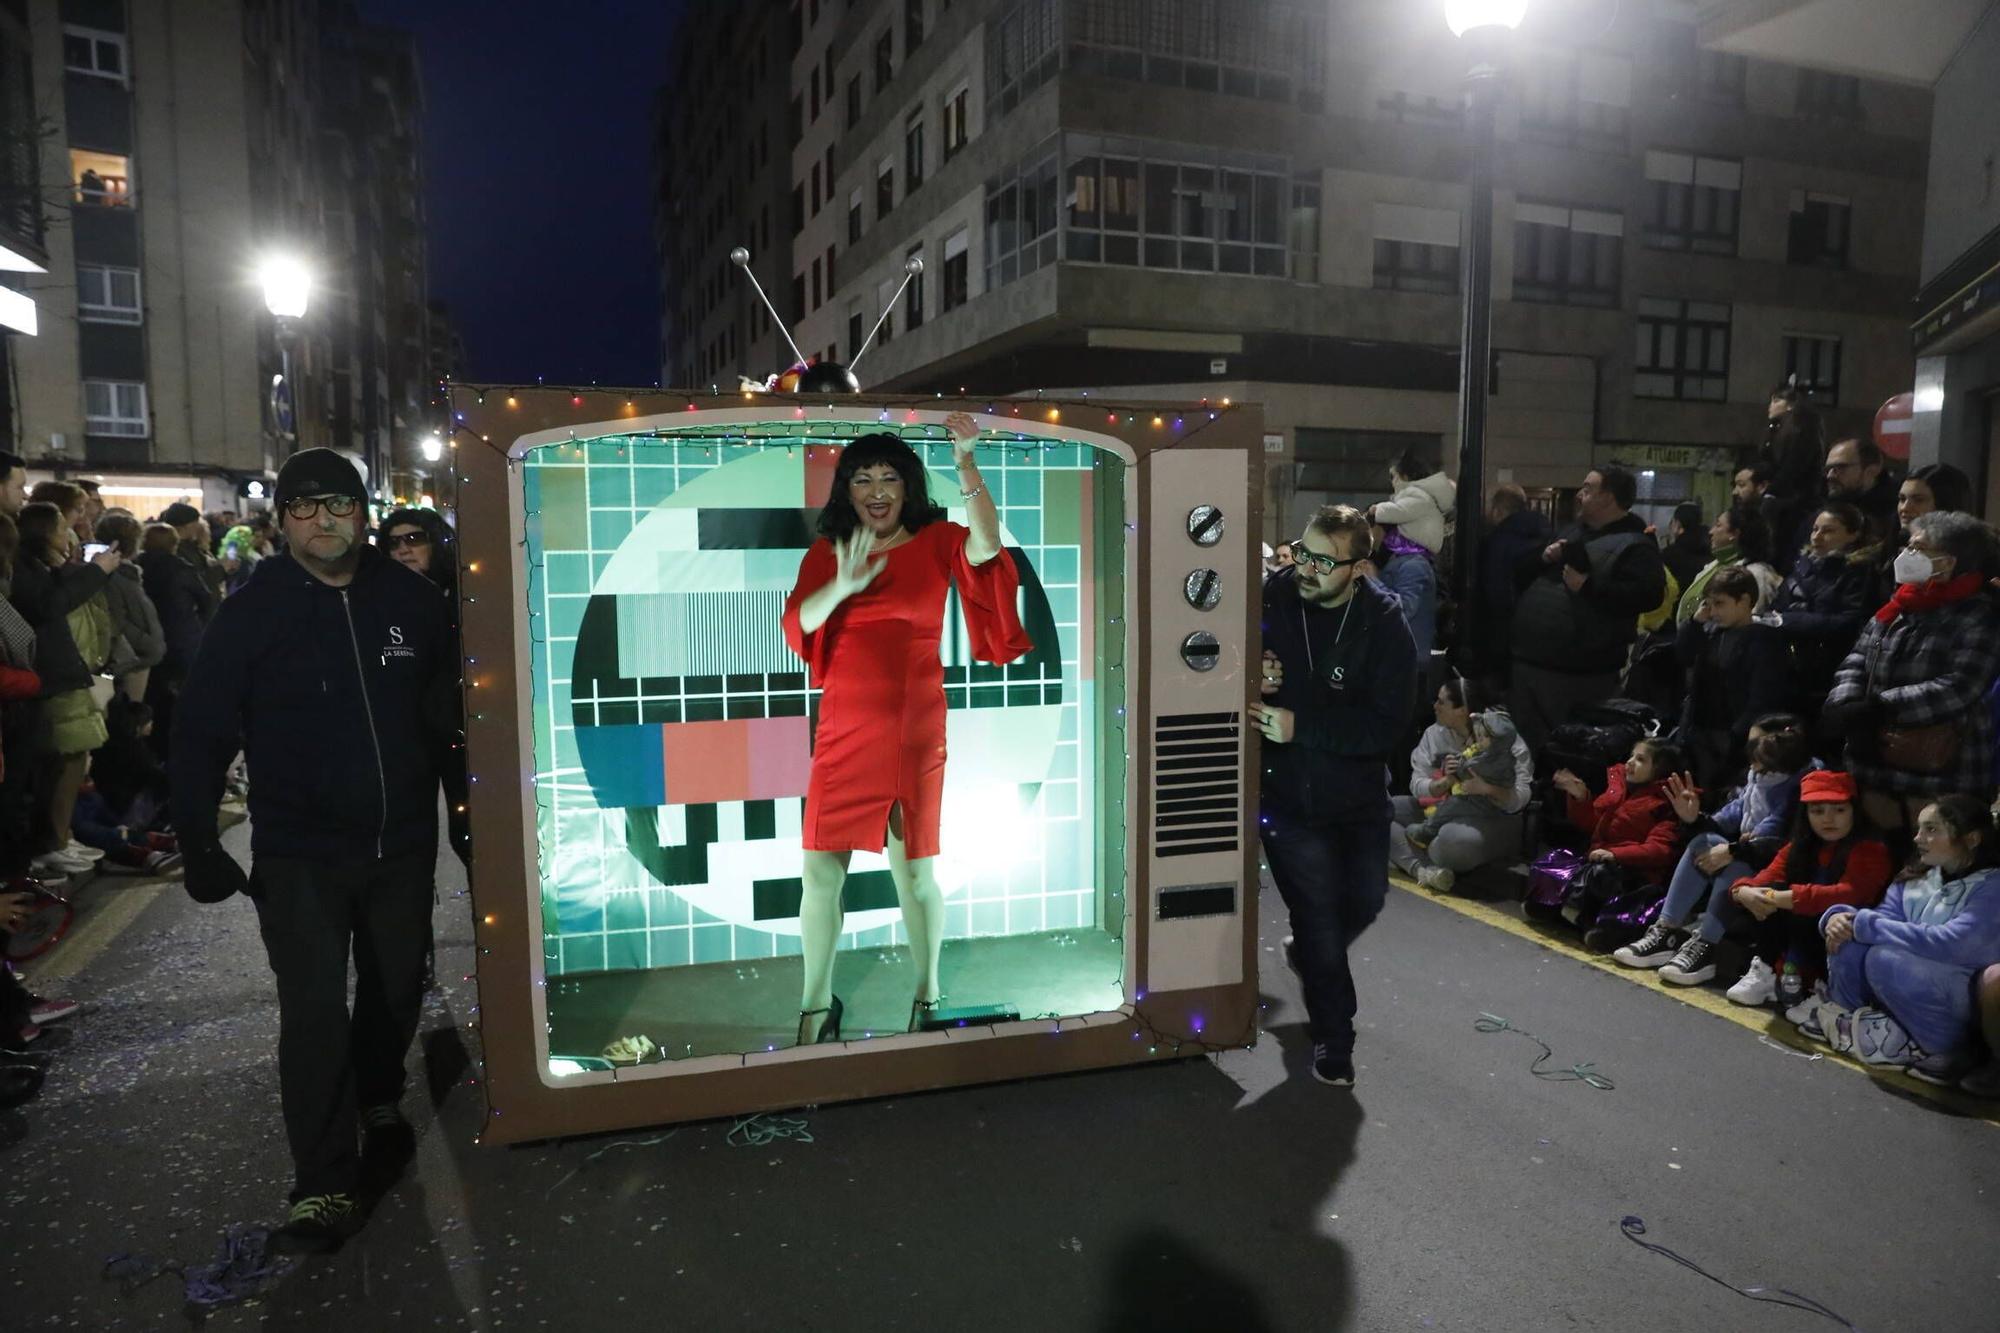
(329, 669)
(1340, 678)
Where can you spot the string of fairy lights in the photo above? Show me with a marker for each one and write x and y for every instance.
(805, 430)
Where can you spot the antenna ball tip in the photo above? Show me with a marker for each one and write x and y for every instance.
(914, 265)
(739, 256)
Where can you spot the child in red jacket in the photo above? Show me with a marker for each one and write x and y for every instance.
(1633, 824)
(1832, 858)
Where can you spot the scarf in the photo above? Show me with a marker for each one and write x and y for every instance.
(1758, 797)
(1917, 598)
(1691, 599)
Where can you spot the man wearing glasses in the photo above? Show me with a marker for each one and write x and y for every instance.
(331, 670)
(1339, 679)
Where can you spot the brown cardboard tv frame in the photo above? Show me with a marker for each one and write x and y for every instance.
(524, 1102)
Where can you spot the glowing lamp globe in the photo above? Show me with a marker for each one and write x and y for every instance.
(433, 447)
(287, 287)
(1463, 16)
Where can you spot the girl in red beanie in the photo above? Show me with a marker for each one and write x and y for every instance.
(1832, 858)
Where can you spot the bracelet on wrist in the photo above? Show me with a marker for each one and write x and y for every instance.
(980, 489)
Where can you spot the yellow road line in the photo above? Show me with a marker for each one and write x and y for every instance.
(100, 929)
(1765, 1022)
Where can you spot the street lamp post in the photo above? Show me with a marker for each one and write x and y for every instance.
(287, 291)
(1484, 27)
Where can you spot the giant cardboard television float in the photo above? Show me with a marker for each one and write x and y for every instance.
(639, 737)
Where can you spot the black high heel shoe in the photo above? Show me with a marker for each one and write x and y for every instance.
(829, 1028)
(921, 1010)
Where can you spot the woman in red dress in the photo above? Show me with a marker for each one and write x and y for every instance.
(867, 614)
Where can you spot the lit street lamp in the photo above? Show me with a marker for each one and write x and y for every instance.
(433, 447)
(1484, 27)
(287, 290)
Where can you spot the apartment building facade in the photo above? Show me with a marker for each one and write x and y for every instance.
(184, 143)
(1263, 201)
(722, 169)
(22, 247)
(1952, 49)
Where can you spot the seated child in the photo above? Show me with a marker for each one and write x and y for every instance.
(1733, 843)
(1832, 858)
(1490, 758)
(1901, 976)
(129, 777)
(1632, 825)
(127, 850)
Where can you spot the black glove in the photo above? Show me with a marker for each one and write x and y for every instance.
(1854, 719)
(210, 874)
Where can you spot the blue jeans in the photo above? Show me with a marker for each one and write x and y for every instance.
(1333, 879)
(1414, 581)
(1685, 890)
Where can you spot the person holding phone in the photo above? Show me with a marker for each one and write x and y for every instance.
(1338, 682)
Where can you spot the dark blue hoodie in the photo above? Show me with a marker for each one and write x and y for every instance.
(338, 697)
(1351, 696)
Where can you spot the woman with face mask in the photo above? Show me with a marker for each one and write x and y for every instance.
(1909, 700)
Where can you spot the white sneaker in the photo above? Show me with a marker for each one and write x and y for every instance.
(1800, 1012)
(1759, 985)
(76, 851)
(1436, 878)
(59, 865)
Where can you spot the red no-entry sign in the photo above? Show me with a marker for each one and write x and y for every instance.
(1892, 425)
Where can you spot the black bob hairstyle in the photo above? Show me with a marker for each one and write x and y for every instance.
(838, 519)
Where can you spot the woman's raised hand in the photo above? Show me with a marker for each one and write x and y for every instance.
(964, 431)
(853, 569)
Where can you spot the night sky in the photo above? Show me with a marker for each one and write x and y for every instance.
(539, 165)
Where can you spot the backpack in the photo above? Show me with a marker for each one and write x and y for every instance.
(1600, 735)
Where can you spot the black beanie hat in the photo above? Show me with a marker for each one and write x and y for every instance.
(179, 514)
(319, 472)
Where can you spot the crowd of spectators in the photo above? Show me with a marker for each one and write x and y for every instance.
(101, 617)
(1709, 748)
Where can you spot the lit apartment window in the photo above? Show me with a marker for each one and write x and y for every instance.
(114, 407)
(1819, 230)
(107, 295)
(1021, 222)
(885, 187)
(885, 58)
(1683, 350)
(1174, 206)
(1416, 249)
(1692, 203)
(103, 179)
(956, 132)
(957, 270)
(1568, 256)
(95, 52)
(913, 151)
(1812, 362)
(913, 295)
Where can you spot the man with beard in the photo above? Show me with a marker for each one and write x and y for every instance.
(1854, 473)
(332, 669)
(1339, 678)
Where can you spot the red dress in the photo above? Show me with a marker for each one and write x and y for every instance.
(880, 738)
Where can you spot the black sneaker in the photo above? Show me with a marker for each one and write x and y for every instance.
(1693, 965)
(1658, 945)
(1334, 1070)
(320, 1224)
(388, 1144)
